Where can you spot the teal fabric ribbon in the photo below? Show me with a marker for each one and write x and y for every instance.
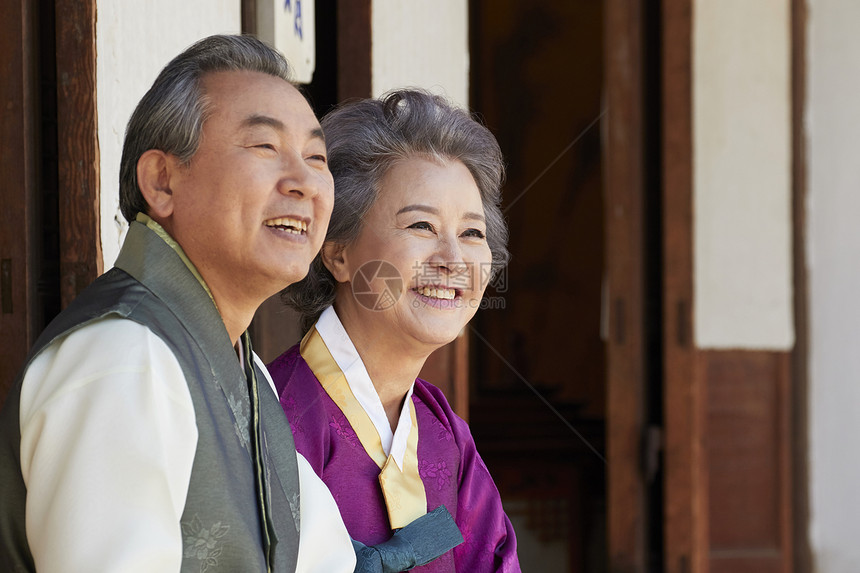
(419, 543)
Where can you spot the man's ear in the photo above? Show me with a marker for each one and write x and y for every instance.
(334, 258)
(153, 178)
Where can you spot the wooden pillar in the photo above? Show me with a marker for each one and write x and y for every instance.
(685, 530)
(78, 149)
(18, 187)
(624, 212)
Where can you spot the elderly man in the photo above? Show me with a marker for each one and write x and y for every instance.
(143, 434)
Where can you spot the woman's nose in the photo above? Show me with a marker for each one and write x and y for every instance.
(449, 257)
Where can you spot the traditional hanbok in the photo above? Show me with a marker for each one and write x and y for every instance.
(133, 439)
(383, 480)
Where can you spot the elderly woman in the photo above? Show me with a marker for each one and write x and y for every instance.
(415, 236)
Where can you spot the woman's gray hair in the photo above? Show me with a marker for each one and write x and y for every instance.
(171, 114)
(365, 139)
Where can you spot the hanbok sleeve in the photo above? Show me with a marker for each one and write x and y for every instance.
(490, 544)
(108, 437)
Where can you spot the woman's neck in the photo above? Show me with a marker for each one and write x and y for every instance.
(392, 365)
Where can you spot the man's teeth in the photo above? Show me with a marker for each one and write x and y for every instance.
(446, 293)
(290, 225)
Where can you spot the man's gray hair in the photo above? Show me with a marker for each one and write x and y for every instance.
(171, 114)
(365, 139)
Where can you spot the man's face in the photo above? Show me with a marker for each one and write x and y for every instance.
(252, 208)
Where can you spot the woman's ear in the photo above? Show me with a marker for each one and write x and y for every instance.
(334, 258)
(153, 179)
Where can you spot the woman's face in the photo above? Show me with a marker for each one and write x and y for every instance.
(419, 267)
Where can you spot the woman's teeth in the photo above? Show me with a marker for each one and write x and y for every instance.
(431, 292)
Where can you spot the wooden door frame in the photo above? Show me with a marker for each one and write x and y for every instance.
(799, 365)
(78, 184)
(692, 375)
(689, 375)
(18, 186)
(81, 258)
(685, 547)
(624, 213)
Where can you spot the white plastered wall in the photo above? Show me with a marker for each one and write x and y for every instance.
(833, 250)
(421, 43)
(134, 40)
(742, 174)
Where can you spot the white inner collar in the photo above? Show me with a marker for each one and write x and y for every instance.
(344, 353)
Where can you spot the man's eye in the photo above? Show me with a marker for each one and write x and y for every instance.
(265, 146)
(318, 157)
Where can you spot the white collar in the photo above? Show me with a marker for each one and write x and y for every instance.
(333, 334)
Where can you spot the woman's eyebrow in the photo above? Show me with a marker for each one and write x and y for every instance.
(435, 211)
(424, 208)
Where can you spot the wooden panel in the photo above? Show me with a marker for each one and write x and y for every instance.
(685, 502)
(747, 403)
(624, 232)
(749, 459)
(78, 153)
(249, 16)
(728, 414)
(761, 563)
(353, 49)
(17, 187)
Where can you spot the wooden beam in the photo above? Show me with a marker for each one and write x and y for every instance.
(249, 17)
(685, 501)
(18, 187)
(799, 364)
(354, 49)
(624, 212)
(78, 151)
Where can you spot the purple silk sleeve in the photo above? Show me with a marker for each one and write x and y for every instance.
(452, 471)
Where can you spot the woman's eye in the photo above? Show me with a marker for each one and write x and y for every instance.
(424, 225)
(476, 233)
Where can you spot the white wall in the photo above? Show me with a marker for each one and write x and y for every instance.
(134, 40)
(416, 43)
(421, 43)
(833, 252)
(742, 174)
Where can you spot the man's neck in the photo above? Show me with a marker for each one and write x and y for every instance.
(235, 304)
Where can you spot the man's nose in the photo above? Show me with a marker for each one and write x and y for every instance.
(301, 179)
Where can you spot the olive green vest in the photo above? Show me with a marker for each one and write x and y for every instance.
(242, 509)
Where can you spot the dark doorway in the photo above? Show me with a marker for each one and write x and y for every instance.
(538, 408)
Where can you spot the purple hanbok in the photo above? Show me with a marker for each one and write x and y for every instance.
(450, 468)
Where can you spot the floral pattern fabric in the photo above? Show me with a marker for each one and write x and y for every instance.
(449, 465)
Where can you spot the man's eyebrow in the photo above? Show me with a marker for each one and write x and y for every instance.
(265, 120)
(435, 211)
(318, 133)
(257, 119)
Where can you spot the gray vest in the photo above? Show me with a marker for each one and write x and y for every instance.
(242, 509)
